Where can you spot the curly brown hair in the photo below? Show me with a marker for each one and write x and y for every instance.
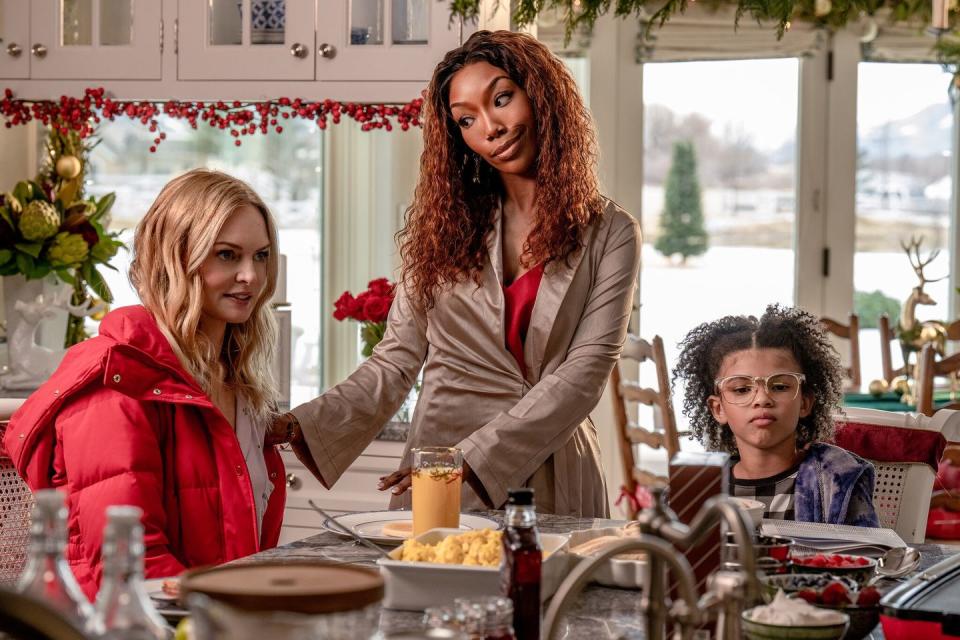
(790, 328)
(442, 241)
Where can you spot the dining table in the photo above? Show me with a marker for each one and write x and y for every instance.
(599, 613)
(890, 401)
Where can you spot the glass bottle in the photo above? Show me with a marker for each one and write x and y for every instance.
(124, 611)
(47, 576)
(522, 558)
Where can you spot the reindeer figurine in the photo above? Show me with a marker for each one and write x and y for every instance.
(912, 333)
(31, 363)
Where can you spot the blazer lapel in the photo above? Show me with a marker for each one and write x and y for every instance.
(557, 276)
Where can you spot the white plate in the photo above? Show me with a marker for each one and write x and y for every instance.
(369, 524)
(627, 574)
(167, 605)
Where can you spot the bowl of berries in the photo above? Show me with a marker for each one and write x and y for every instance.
(792, 583)
(859, 568)
(862, 605)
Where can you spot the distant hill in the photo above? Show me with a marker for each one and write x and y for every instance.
(926, 133)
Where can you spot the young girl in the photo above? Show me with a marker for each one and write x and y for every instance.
(765, 391)
(167, 408)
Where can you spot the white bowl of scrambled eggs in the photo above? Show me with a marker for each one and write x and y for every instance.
(442, 564)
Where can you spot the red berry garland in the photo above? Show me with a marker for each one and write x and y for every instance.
(82, 115)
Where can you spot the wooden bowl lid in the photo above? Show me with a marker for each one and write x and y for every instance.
(301, 587)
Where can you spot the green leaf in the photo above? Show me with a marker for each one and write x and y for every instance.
(5, 214)
(32, 248)
(5, 256)
(23, 192)
(103, 207)
(66, 276)
(99, 286)
(41, 270)
(24, 263)
(38, 193)
(9, 269)
(86, 271)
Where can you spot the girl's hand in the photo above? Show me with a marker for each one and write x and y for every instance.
(400, 480)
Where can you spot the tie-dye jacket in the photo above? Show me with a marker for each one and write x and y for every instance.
(836, 487)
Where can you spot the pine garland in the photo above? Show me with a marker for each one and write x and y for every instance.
(578, 14)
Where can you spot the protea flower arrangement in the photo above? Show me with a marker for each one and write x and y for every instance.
(44, 230)
(370, 309)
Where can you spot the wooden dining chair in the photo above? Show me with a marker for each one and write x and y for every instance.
(16, 503)
(929, 368)
(903, 482)
(851, 332)
(888, 336)
(625, 393)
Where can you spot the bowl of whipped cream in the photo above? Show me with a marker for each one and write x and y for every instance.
(793, 619)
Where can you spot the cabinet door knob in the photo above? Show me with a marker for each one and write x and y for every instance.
(327, 51)
(14, 50)
(293, 482)
(298, 50)
(39, 50)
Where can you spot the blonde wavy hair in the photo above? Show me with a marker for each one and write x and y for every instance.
(171, 243)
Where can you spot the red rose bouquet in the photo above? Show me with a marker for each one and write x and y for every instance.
(370, 309)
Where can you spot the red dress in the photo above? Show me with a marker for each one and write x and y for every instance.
(518, 299)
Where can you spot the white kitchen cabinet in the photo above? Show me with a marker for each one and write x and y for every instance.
(14, 39)
(95, 39)
(246, 39)
(356, 490)
(391, 40)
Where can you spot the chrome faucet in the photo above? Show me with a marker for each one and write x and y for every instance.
(661, 533)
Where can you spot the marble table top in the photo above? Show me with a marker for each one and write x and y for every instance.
(600, 612)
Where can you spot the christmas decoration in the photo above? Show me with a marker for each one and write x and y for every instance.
(370, 309)
(581, 15)
(79, 117)
(47, 227)
(878, 388)
(681, 223)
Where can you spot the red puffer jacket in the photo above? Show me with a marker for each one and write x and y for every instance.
(122, 422)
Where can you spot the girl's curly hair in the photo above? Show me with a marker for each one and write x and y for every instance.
(442, 241)
(793, 329)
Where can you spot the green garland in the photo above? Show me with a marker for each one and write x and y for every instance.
(579, 14)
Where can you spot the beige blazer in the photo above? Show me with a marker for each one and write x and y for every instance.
(515, 430)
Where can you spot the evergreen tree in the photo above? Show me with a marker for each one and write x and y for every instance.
(681, 223)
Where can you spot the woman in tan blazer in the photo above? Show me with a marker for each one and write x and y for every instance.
(507, 190)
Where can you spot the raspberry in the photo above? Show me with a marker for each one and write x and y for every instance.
(868, 597)
(809, 595)
(835, 595)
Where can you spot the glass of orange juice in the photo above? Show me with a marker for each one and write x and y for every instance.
(437, 474)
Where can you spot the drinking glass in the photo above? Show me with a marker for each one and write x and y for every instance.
(437, 475)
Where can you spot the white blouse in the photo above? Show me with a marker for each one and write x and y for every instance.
(251, 438)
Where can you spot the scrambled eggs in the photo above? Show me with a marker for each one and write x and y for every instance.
(477, 548)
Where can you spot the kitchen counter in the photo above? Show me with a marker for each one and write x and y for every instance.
(599, 613)
(394, 431)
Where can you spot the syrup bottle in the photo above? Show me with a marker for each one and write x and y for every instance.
(522, 558)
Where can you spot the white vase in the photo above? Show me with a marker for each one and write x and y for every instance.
(36, 323)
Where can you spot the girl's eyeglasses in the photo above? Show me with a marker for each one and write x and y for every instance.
(741, 390)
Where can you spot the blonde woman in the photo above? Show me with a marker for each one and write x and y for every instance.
(167, 408)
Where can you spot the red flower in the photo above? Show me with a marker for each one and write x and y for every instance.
(344, 306)
(371, 305)
(376, 308)
(381, 287)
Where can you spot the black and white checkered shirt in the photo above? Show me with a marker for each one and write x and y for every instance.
(776, 492)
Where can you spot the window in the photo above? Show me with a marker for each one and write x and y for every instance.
(729, 129)
(904, 185)
(286, 170)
